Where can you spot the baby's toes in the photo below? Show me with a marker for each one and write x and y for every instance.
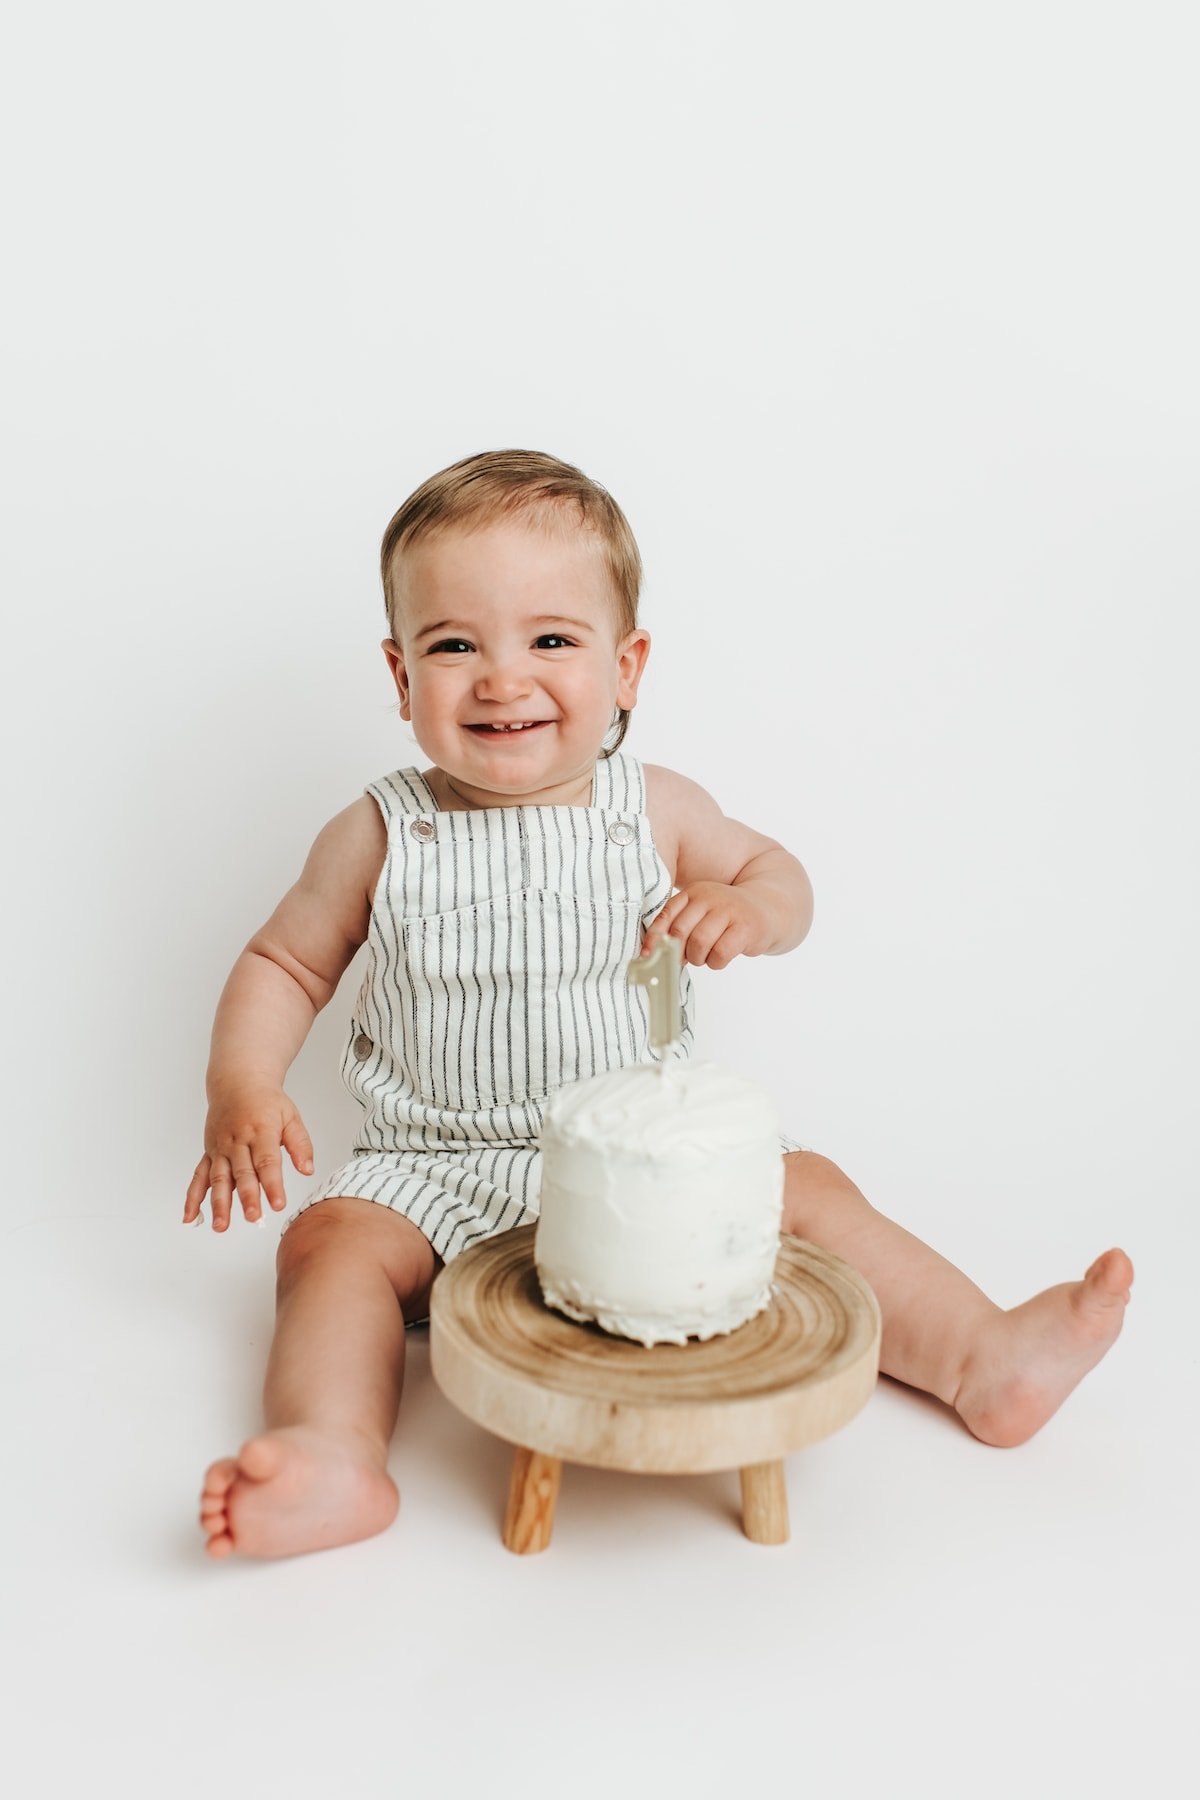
(262, 1458)
(214, 1505)
(214, 1522)
(1109, 1279)
(219, 1478)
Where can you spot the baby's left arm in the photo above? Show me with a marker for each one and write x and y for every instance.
(738, 893)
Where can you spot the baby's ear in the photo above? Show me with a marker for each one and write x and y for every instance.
(631, 660)
(394, 657)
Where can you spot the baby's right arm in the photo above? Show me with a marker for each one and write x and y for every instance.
(288, 971)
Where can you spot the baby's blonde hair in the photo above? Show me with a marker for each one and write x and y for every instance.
(503, 484)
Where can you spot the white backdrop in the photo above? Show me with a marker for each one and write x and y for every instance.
(878, 321)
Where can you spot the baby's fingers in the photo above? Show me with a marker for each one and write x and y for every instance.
(197, 1188)
(269, 1164)
(221, 1183)
(660, 925)
(729, 945)
(298, 1145)
(245, 1178)
(697, 930)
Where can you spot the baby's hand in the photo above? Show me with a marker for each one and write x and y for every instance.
(713, 922)
(241, 1150)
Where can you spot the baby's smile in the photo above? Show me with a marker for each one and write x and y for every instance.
(500, 729)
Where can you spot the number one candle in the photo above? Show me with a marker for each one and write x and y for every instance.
(659, 972)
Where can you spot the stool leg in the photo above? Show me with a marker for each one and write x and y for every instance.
(532, 1492)
(764, 1503)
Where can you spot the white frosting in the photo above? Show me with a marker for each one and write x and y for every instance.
(661, 1201)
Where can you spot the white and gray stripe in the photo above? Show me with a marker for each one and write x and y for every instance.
(497, 951)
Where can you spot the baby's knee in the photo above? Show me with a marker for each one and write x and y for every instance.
(808, 1170)
(307, 1239)
(813, 1186)
(345, 1228)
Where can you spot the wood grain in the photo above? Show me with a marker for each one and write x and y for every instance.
(532, 1493)
(796, 1373)
(764, 1503)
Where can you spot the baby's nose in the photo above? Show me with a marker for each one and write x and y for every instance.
(502, 681)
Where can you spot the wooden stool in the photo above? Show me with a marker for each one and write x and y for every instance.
(564, 1391)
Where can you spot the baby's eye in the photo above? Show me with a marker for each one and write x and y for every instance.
(449, 644)
(554, 640)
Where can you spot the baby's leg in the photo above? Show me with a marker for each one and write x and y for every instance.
(1005, 1373)
(349, 1271)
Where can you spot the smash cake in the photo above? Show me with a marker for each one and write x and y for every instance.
(661, 1201)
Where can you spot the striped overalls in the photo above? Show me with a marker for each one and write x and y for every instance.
(496, 959)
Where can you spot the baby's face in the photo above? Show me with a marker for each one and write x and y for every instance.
(511, 626)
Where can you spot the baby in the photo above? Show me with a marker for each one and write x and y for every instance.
(502, 892)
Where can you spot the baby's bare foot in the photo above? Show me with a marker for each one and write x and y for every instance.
(292, 1490)
(1029, 1360)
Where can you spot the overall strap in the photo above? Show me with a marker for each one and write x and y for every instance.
(620, 784)
(401, 794)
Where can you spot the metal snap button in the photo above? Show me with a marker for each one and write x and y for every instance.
(363, 1046)
(424, 830)
(622, 832)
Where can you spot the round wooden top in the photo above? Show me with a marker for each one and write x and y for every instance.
(794, 1374)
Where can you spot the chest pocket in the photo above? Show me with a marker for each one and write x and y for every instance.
(507, 1001)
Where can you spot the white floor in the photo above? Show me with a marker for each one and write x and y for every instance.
(946, 1619)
